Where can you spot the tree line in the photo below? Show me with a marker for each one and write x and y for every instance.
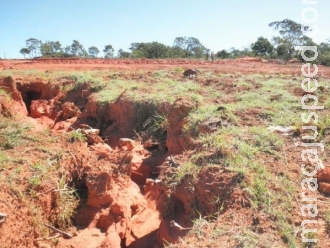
(282, 47)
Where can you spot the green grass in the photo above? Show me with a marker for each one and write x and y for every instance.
(178, 70)
(3, 161)
(3, 93)
(39, 173)
(247, 239)
(284, 111)
(205, 112)
(13, 134)
(266, 141)
(136, 91)
(66, 202)
(260, 192)
(311, 235)
(157, 126)
(187, 170)
(114, 88)
(76, 136)
(323, 126)
(327, 220)
(286, 231)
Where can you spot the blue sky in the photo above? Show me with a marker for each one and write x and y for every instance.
(218, 24)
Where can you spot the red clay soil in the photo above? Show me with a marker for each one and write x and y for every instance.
(323, 178)
(243, 65)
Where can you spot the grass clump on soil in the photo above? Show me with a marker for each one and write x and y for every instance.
(66, 203)
(13, 134)
(76, 136)
(204, 113)
(39, 173)
(3, 161)
(157, 126)
(114, 88)
(65, 199)
(136, 91)
(323, 128)
(3, 93)
(30, 166)
(275, 100)
(185, 171)
(266, 141)
(33, 73)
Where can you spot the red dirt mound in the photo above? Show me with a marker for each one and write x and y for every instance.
(8, 84)
(323, 179)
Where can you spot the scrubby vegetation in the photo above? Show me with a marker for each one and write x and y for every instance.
(280, 47)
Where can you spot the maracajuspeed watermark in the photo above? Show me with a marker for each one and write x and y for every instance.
(309, 103)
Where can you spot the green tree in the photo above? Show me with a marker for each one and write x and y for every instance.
(282, 51)
(77, 49)
(246, 52)
(291, 35)
(309, 42)
(33, 45)
(199, 51)
(223, 54)
(57, 46)
(150, 50)
(324, 53)
(262, 47)
(122, 54)
(46, 49)
(189, 46)
(83, 53)
(51, 49)
(93, 51)
(108, 51)
(234, 53)
(67, 50)
(24, 51)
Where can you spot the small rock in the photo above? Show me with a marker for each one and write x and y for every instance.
(150, 144)
(102, 150)
(324, 187)
(43, 245)
(190, 73)
(129, 143)
(70, 110)
(92, 136)
(282, 130)
(3, 217)
(209, 125)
